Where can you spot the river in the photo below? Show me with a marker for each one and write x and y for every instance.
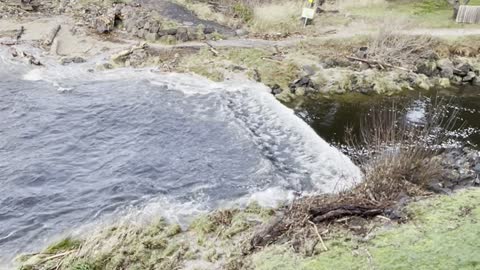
(77, 146)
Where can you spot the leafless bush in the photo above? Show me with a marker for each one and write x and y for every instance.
(395, 47)
(400, 156)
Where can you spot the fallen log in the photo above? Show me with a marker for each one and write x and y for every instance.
(332, 213)
(373, 63)
(51, 36)
(8, 42)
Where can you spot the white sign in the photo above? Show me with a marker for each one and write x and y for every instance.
(308, 13)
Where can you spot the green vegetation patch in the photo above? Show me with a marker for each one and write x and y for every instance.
(443, 233)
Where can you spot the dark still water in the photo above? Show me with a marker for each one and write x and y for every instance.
(75, 147)
(332, 116)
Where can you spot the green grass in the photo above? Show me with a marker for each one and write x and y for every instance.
(428, 13)
(443, 234)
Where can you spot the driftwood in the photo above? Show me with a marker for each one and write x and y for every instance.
(212, 49)
(328, 213)
(20, 33)
(270, 233)
(31, 59)
(51, 36)
(8, 42)
(373, 63)
(121, 56)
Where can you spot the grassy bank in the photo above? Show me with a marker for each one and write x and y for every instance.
(439, 232)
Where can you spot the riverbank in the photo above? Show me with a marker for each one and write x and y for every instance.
(375, 225)
(434, 232)
(388, 60)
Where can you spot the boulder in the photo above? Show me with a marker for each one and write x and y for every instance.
(104, 24)
(208, 30)
(470, 76)
(154, 27)
(276, 89)
(445, 64)
(303, 82)
(182, 34)
(476, 81)
(73, 59)
(151, 36)
(167, 32)
(462, 69)
(240, 32)
(192, 33)
(428, 68)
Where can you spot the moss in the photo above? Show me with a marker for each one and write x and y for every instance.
(64, 245)
(243, 11)
(173, 230)
(82, 266)
(203, 225)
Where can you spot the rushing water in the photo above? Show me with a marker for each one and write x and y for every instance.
(76, 146)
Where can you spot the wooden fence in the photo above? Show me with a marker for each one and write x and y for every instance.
(468, 14)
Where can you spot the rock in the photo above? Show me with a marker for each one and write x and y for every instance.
(362, 52)
(208, 30)
(446, 68)
(476, 81)
(470, 76)
(423, 82)
(276, 89)
(74, 59)
(477, 168)
(308, 70)
(444, 82)
(154, 27)
(239, 32)
(192, 33)
(103, 66)
(151, 36)
(182, 34)
(456, 80)
(137, 58)
(104, 24)
(300, 91)
(146, 26)
(462, 69)
(167, 32)
(428, 68)
(141, 33)
(363, 66)
(301, 82)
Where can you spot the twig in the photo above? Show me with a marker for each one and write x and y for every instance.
(56, 256)
(319, 236)
(51, 36)
(212, 49)
(20, 33)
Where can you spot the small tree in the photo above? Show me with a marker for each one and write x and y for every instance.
(456, 6)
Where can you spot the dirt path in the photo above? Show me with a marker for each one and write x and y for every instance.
(182, 15)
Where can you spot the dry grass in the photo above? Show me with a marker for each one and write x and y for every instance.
(281, 17)
(344, 4)
(399, 156)
(399, 159)
(392, 47)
